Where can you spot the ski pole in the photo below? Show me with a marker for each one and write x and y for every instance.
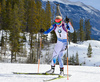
(67, 56)
(39, 53)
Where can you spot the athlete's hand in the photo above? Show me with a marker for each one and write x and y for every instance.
(67, 19)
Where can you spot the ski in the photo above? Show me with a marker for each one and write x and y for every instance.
(34, 73)
(56, 78)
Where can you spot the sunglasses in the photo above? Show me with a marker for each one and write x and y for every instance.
(57, 22)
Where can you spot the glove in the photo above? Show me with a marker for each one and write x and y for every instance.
(41, 30)
(67, 19)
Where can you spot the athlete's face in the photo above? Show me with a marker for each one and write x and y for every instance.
(58, 22)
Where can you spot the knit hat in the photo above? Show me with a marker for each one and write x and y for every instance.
(58, 19)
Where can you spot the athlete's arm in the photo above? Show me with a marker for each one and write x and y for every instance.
(49, 30)
(70, 29)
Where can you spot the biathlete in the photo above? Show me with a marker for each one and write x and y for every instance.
(61, 28)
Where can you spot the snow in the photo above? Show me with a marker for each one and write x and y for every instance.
(94, 3)
(79, 73)
(98, 31)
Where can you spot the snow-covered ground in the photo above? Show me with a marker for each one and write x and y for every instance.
(79, 73)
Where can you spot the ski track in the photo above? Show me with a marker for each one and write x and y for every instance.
(79, 73)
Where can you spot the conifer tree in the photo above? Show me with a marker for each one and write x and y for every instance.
(77, 59)
(22, 19)
(7, 3)
(9, 15)
(26, 13)
(40, 21)
(52, 15)
(4, 20)
(89, 50)
(43, 23)
(32, 17)
(87, 29)
(74, 37)
(0, 16)
(4, 25)
(73, 59)
(81, 32)
(32, 22)
(9, 19)
(39, 14)
(15, 33)
(13, 2)
(21, 13)
(3, 15)
(0, 1)
(48, 15)
(70, 60)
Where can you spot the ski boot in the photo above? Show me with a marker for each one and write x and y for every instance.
(61, 72)
(51, 71)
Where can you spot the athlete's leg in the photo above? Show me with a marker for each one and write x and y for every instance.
(60, 59)
(61, 54)
(56, 52)
(57, 49)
